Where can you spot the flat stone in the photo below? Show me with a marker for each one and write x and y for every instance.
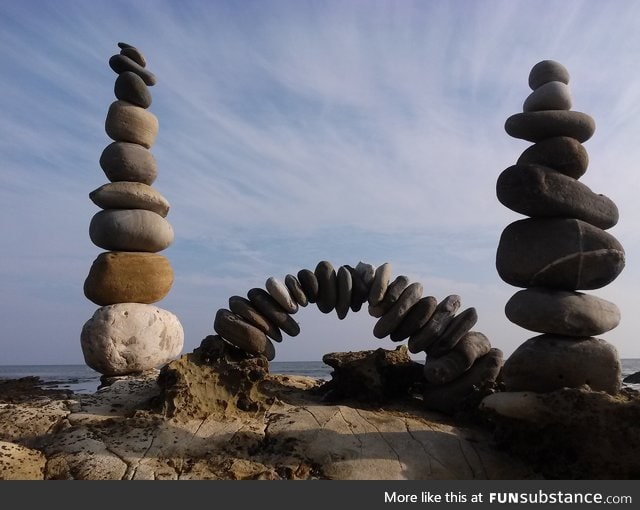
(122, 63)
(295, 289)
(392, 294)
(563, 154)
(537, 191)
(243, 307)
(546, 71)
(435, 326)
(127, 122)
(459, 326)
(280, 293)
(269, 307)
(129, 338)
(235, 330)
(553, 95)
(123, 161)
(398, 310)
(360, 287)
(344, 284)
(451, 397)
(130, 195)
(309, 284)
(447, 368)
(128, 277)
(327, 286)
(416, 318)
(130, 230)
(536, 126)
(379, 284)
(549, 362)
(135, 55)
(562, 312)
(131, 88)
(561, 253)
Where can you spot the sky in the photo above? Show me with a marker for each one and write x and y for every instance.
(298, 131)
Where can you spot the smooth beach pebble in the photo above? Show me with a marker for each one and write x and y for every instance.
(131, 88)
(359, 289)
(123, 161)
(243, 307)
(280, 293)
(416, 318)
(269, 307)
(130, 195)
(134, 54)
(235, 330)
(391, 295)
(563, 154)
(398, 310)
(127, 122)
(122, 63)
(295, 289)
(459, 326)
(344, 283)
(309, 284)
(553, 95)
(546, 71)
(379, 284)
(327, 286)
(536, 126)
(437, 323)
(130, 230)
(456, 362)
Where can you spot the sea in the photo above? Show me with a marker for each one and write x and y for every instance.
(82, 379)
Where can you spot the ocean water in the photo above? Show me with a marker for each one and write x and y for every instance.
(82, 379)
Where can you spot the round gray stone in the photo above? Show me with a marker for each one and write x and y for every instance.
(235, 330)
(456, 362)
(280, 293)
(561, 312)
(561, 253)
(130, 230)
(546, 71)
(436, 325)
(344, 286)
(134, 54)
(537, 191)
(416, 317)
(269, 307)
(131, 88)
(130, 195)
(379, 284)
(553, 95)
(564, 154)
(295, 289)
(242, 307)
(123, 161)
(327, 286)
(550, 362)
(459, 326)
(536, 126)
(309, 284)
(122, 63)
(398, 310)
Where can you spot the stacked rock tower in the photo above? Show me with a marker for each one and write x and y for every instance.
(561, 249)
(127, 334)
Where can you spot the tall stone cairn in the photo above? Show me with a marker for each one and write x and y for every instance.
(128, 334)
(560, 249)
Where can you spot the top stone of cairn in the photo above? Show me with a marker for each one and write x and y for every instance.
(546, 71)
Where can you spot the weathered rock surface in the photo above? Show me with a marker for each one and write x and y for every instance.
(123, 161)
(130, 230)
(130, 195)
(127, 122)
(563, 154)
(536, 126)
(20, 463)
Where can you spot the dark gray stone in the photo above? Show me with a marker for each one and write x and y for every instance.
(553, 95)
(345, 285)
(398, 310)
(130, 87)
(538, 191)
(416, 317)
(379, 284)
(235, 330)
(459, 326)
(472, 345)
(123, 161)
(546, 71)
(436, 325)
(564, 154)
(269, 307)
(393, 292)
(327, 286)
(135, 55)
(280, 293)
(359, 290)
(561, 253)
(550, 362)
(122, 63)
(309, 284)
(633, 378)
(295, 289)
(536, 126)
(243, 307)
(561, 312)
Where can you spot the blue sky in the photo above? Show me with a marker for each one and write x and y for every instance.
(293, 132)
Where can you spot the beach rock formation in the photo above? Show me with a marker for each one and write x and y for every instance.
(128, 334)
(560, 249)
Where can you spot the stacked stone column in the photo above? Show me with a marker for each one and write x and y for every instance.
(127, 334)
(562, 248)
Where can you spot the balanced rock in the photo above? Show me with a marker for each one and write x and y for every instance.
(553, 95)
(295, 289)
(561, 253)
(536, 126)
(435, 326)
(128, 338)
(243, 307)
(127, 122)
(327, 286)
(379, 284)
(416, 318)
(563, 154)
(123, 161)
(269, 307)
(456, 362)
(549, 362)
(344, 282)
(391, 295)
(128, 277)
(538, 191)
(458, 326)
(131, 88)
(547, 71)
(235, 330)
(361, 278)
(130, 195)
(280, 293)
(133, 53)
(122, 63)
(130, 230)
(309, 284)
(562, 312)
(393, 317)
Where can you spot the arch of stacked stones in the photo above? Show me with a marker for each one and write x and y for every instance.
(560, 248)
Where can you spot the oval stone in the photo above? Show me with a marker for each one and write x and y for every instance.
(270, 308)
(131, 88)
(121, 63)
(550, 362)
(564, 154)
(309, 284)
(392, 294)
(459, 326)
(128, 277)
(546, 71)
(538, 191)
(562, 312)
(553, 95)
(130, 230)
(295, 289)
(398, 310)
(416, 317)
(536, 126)
(242, 307)
(123, 161)
(436, 324)
(561, 253)
(129, 338)
(345, 287)
(235, 330)
(327, 286)
(130, 195)
(135, 55)
(280, 293)
(361, 278)
(379, 284)
(127, 122)
(456, 362)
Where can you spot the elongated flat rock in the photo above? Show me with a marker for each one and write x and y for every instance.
(546, 71)
(553, 95)
(562, 312)
(560, 253)
(398, 310)
(121, 63)
(134, 54)
(416, 318)
(327, 286)
(392, 294)
(127, 122)
(536, 126)
(361, 279)
(563, 154)
(459, 326)
(235, 330)
(128, 277)
(295, 289)
(130, 195)
(124, 161)
(379, 284)
(130, 230)
(537, 191)
(269, 307)
(243, 307)
(344, 283)
(456, 362)
(309, 284)
(280, 293)
(436, 325)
